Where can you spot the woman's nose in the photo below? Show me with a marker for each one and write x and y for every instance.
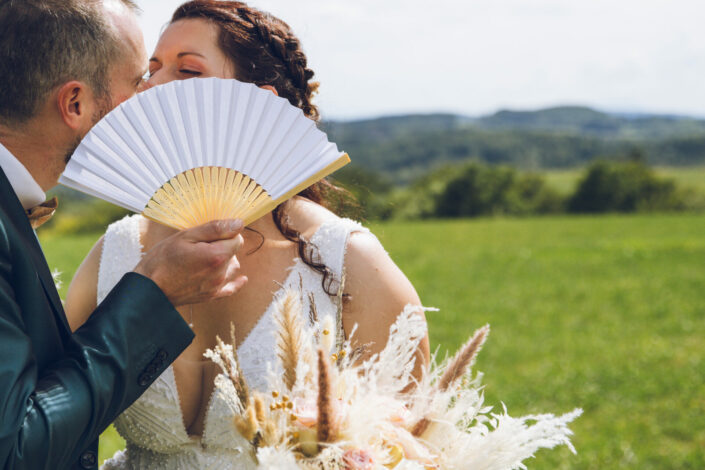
(157, 78)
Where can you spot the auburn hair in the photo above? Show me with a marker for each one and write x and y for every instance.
(265, 51)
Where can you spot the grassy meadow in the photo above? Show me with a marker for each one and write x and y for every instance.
(604, 313)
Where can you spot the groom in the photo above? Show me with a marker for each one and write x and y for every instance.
(63, 65)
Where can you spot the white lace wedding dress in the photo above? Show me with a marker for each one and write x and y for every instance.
(153, 426)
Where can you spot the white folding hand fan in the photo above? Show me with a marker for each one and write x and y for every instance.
(193, 151)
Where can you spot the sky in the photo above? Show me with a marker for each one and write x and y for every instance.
(472, 57)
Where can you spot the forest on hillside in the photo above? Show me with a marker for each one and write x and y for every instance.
(403, 148)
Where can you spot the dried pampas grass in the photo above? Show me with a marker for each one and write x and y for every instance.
(464, 359)
(289, 335)
(325, 409)
(326, 424)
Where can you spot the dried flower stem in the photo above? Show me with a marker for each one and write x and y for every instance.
(420, 427)
(339, 330)
(234, 373)
(457, 368)
(312, 310)
(247, 424)
(259, 409)
(325, 403)
(463, 360)
(242, 388)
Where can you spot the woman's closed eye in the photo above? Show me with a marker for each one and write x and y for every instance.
(193, 73)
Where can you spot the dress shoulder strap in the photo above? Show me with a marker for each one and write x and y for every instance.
(331, 239)
(122, 251)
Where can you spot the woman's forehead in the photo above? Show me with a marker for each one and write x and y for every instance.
(191, 32)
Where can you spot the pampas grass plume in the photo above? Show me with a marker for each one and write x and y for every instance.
(289, 335)
(463, 360)
(247, 425)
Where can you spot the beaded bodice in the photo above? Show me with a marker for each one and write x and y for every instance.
(153, 426)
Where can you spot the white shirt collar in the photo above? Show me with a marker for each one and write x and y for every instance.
(26, 188)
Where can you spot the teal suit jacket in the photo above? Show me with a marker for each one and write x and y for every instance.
(58, 390)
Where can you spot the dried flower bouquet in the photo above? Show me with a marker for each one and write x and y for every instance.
(326, 409)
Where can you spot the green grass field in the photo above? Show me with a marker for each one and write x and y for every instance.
(605, 313)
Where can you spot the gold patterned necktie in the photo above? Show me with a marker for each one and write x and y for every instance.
(39, 215)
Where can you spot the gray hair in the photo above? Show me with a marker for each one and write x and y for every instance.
(45, 43)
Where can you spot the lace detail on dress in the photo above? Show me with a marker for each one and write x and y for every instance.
(331, 239)
(153, 426)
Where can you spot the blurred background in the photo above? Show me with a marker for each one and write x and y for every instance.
(536, 165)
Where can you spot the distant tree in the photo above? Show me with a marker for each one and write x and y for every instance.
(531, 195)
(623, 187)
(478, 189)
(418, 200)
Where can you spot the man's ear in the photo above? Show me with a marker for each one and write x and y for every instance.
(76, 104)
(270, 88)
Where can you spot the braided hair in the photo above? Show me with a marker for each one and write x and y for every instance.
(265, 51)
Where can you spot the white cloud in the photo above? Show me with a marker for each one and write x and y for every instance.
(389, 56)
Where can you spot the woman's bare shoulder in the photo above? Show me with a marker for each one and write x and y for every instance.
(369, 266)
(306, 216)
(378, 292)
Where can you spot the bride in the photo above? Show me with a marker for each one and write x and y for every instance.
(333, 262)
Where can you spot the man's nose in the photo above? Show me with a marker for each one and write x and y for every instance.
(144, 86)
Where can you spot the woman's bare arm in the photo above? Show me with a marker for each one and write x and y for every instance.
(378, 291)
(81, 299)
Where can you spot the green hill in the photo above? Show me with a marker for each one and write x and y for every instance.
(404, 147)
(587, 121)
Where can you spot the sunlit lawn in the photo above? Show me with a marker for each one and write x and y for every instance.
(605, 313)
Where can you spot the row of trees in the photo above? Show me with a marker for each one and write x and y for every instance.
(477, 189)
(464, 190)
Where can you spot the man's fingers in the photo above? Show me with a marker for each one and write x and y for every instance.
(200, 264)
(232, 270)
(230, 246)
(225, 274)
(231, 287)
(215, 231)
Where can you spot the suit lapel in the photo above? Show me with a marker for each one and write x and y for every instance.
(16, 214)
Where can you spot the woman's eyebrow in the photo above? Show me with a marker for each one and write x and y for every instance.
(181, 54)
